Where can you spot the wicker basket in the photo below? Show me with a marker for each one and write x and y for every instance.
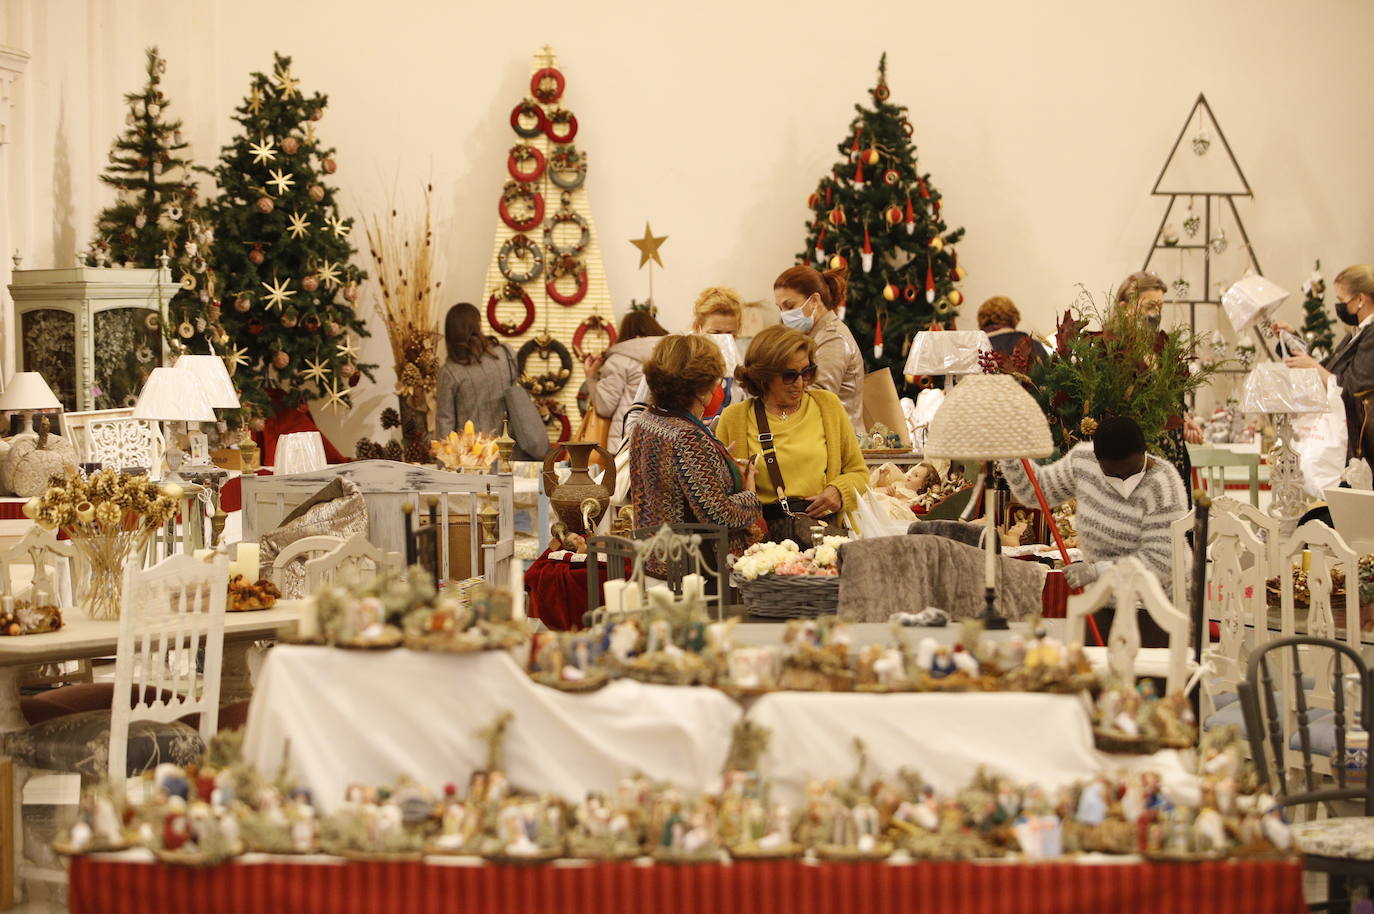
(779, 596)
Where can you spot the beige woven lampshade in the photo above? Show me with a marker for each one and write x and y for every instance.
(989, 417)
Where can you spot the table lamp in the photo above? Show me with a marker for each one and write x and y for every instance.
(1251, 300)
(27, 391)
(952, 352)
(173, 395)
(218, 388)
(989, 417)
(1282, 392)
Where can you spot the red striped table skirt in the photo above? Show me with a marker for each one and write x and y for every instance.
(104, 886)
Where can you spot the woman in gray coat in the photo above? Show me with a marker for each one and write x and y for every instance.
(615, 376)
(474, 379)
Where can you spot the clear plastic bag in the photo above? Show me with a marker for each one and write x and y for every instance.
(1271, 387)
(946, 352)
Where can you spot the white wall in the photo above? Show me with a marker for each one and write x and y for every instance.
(1043, 123)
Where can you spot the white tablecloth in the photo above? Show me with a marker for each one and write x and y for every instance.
(372, 716)
(1031, 738)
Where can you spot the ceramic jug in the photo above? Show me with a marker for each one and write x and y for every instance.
(566, 498)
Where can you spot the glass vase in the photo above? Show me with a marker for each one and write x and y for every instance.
(106, 556)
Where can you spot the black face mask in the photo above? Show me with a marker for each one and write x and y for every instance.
(1344, 314)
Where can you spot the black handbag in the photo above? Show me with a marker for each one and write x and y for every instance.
(787, 518)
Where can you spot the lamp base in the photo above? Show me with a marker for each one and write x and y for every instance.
(992, 620)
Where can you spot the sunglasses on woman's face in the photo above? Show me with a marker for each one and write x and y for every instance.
(792, 376)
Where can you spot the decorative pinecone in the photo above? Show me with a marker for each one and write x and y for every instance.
(393, 451)
(391, 418)
(1088, 427)
(417, 452)
(367, 449)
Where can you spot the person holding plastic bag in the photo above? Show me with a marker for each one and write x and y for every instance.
(1351, 366)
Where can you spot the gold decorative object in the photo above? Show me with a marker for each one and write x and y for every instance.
(489, 517)
(505, 446)
(567, 498)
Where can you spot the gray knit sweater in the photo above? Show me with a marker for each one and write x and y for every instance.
(1111, 527)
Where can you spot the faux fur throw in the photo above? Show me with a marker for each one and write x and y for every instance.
(892, 574)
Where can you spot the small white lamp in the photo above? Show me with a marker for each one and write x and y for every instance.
(1250, 300)
(946, 352)
(214, 379)
(27, 391)
(172, 395)
(989, 417)
(1282, 392)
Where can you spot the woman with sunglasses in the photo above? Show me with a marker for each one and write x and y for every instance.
(811, 301)
(1352, 364)
(813, 445)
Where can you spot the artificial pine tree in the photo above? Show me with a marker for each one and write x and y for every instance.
(282, 254)
(1317, 327)
(879, 214)
(154, 214)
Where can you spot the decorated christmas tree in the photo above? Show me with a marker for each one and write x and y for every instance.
(154, 214)
(282, 254)
(877, 212)
(1318, 330)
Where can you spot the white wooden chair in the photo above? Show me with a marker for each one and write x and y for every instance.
(303, 550)
(354, 554)
(1126, 585)
(1243, 547)
(126, 442)
(1181, 552)
(1326, 552)
(47, 563)
(76, 427)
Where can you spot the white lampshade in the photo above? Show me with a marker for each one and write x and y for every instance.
(1250, 300)
(989, 417)
(1272, 387)
(28, 390)
(946, 352)
(214, 379)
(170, 395)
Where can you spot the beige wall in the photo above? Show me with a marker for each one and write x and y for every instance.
(1044, 124)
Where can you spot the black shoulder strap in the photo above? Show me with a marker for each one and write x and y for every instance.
(770, 453)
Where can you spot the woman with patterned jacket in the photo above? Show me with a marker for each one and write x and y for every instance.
(679, 471)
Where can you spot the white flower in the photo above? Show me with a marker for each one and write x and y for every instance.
(825, 555)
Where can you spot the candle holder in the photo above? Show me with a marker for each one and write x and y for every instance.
(489, 519)
(505, 446)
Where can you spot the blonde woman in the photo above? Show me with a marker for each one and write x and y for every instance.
(1352, 364)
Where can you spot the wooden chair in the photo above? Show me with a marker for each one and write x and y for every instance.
(126, 442)
(52, 563)
(1181, 552)
(355, 554)
(302, 550)
(76, 428)
(1126, 585)
(1210, 464)
(1244, 550)
(1276, 716)
(167, 666)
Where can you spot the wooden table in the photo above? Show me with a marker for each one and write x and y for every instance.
(82, 638)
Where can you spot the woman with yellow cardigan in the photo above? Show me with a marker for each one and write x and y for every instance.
(814, 448)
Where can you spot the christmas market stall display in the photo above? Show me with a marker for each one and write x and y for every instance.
(880, 214)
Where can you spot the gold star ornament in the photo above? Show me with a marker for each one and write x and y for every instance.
(338, 226)
(348, 349)
(255, 101)
(287, 86)
(316, 370)
(278, 291)
(262, 152)
(649, 245)
(336, 398)
(329, 274)
(282, 181)
(236, 358)
(299, 225)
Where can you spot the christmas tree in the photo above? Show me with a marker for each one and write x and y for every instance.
(1317, 327)
(154, 214)
(877, 212)
(282, 254)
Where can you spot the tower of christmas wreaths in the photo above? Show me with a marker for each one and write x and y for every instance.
(877, 212)
(545, 294)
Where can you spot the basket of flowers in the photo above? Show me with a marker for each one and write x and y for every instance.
(780, 581)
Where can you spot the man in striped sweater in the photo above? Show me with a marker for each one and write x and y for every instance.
(1126, 500)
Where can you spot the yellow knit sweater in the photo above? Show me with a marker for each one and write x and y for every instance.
(844, 462)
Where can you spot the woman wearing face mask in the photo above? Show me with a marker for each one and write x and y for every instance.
(809, 301)
(1352, 364)
(814, 447)
(615, 376)
(679, 470)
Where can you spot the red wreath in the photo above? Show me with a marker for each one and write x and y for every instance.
(595, 322)
(537, 80)
(910, 292)
(513, 164)
(552, 288)
(559, 117)
(528, 107)
(527, 225)
(510, 293)
(556, 412)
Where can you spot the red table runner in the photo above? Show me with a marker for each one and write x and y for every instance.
(103, 886)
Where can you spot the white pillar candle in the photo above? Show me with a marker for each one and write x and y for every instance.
(661, 596)
(615, 594)
(632, 598)
(309, 625)
(247, 560)
(517, 589)
(991, 567)
(693, 587)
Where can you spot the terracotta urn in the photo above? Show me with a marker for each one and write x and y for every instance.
(567, 498)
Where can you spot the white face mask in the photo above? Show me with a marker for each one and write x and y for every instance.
(1128, 485)
(729, 351)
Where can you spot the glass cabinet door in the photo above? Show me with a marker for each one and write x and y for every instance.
(49, 348)
(128, 346)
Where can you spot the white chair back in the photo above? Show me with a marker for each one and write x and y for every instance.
(126, 442)
(1182, 554)
(76, 427)
(171, 644)
(305, 549)
(43, 550)
(1127, 585)
(1243, 544)
(355, 554)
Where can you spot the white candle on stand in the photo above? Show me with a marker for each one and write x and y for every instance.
(517, 589)
(247, 560)
(693, 587)
(991, 544)
(309, 625)
(632, 598)
(615, 594)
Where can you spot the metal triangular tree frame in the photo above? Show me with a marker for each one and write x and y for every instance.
(1214, 200)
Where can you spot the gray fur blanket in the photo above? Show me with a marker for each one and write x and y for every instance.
(892, 574)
